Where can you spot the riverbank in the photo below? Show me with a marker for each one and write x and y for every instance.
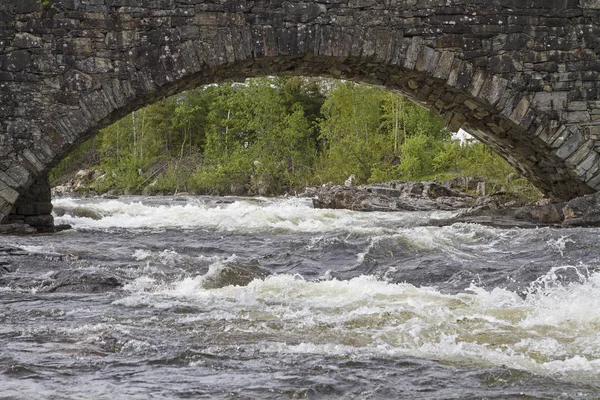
(499, 209)
(475, 200)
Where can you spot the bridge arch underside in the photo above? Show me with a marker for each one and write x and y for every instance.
(539, 148)
(58, 89)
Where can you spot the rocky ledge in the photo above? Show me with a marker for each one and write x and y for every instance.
(580, 212)
(82, 182)
(21, 228)
(499, 209)
(391, 196)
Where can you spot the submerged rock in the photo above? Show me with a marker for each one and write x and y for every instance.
(79, 212)
(17, 229)
(234, 274)
(82, 212)
(81, 281)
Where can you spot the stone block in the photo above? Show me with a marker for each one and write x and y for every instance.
(5, 209)
(492, 89)
(464, 76)
(577, 116)
(444, 65)
(425, 58)
(34, 208)
(412, 52)
(518, 113)
(95, 65)
(592, 132)
(78, 46)
(40, 221)
(549, 134)
(19, 174)
(594, 181)
(471, 104)
(33, 160)
(7, 180)
(481, 114)
(25, 40)
(590, 4)
(582, 153)
(26, 6)
(542, 101)
(477, 82)
(593, 170)
(188, 31)
(8, 194)
(16, 61)
(570, 145)
(587, 164)
(96, 106)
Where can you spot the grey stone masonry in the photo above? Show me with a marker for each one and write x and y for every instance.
(522, 76)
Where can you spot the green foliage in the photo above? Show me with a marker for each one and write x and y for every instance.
(272, 136)
(232, 177)
(82, 157)
(46, 3)
(474, 159)
(418, 153)
(376, 135)
(261, 136)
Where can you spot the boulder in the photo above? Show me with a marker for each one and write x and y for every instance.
(579, 212)
(235, 274)
(463, 183)
(98, 174)
(81, 182)
(79, 212)
(582, 211)
(63, 190)
(352, 198)
(82, 212)
(495, 210)
(17, 229)
(84, 175)
(81, 281)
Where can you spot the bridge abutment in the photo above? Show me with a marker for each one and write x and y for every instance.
(34, 206)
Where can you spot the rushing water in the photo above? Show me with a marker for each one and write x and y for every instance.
(227, 298)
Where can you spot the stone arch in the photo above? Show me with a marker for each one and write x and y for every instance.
(133, 52)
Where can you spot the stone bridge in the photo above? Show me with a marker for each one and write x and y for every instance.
(520, 75)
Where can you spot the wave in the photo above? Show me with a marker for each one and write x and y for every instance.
(551, 331)
(242, 215)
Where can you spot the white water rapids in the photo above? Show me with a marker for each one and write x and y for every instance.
(253, 280)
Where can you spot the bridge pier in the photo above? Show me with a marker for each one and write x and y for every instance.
(34, 206)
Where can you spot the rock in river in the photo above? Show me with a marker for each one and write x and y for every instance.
(391, 196)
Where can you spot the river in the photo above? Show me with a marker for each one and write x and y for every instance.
(233, 298)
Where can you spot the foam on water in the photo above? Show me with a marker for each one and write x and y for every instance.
(277, 216)
(190, 306)
(553, 331)
(559, 244)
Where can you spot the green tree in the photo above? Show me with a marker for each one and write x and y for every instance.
(277, 135)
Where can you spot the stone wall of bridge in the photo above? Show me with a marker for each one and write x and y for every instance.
(522, 76)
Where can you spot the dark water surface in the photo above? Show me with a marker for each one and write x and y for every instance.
(227, 298)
